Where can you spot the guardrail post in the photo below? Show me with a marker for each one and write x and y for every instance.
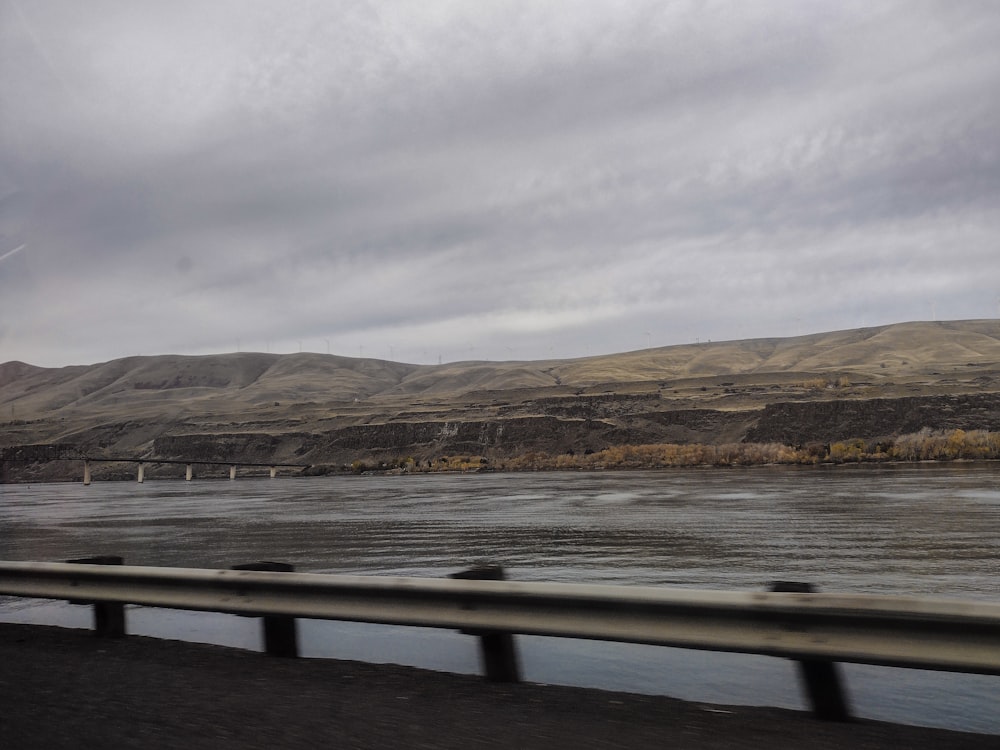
(280, 633)
(109, 617)
(496, 648)
(821, 678)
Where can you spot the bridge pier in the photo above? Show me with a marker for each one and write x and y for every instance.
(188, 463)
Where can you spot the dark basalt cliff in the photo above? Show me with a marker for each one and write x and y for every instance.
(792, 423)
(496, 438)
(827, 421)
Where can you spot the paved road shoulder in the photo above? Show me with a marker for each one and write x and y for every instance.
(62, 688)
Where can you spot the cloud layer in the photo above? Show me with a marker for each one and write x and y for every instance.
(489, 180)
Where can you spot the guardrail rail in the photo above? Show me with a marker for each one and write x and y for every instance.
(812, 628)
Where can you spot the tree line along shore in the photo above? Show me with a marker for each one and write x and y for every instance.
(926, 445)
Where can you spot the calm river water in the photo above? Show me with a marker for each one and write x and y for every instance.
(926, 529)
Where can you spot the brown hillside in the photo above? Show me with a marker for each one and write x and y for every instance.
(313, 408)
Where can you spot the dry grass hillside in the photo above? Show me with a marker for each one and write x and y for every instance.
(323, 409)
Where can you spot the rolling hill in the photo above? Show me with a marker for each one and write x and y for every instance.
(326, 409)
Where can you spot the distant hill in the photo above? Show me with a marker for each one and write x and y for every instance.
(316, 408)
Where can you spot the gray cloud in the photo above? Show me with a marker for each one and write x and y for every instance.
(489, 180)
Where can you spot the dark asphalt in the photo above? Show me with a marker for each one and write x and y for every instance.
(63, 688)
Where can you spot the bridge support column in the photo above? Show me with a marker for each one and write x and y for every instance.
(141, 476)
(820, 678)
(274, 472)
(86, 472)
(189, 473)
(232, 472)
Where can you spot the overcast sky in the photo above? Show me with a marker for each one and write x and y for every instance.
(489, 180)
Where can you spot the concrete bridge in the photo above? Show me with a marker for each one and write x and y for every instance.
(188, 463)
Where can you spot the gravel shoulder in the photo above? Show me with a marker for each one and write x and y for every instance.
(62, 688)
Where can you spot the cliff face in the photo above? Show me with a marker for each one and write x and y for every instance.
(790, 423)
(793, 423)
(315, 409)
(827, 421)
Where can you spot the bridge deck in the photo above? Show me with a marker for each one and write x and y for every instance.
(183, 461)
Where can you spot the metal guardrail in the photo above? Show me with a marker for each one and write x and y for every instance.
(937, 634)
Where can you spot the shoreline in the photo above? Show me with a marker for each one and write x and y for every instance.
(560, 470)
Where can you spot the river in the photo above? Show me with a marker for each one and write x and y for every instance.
(903, 529)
